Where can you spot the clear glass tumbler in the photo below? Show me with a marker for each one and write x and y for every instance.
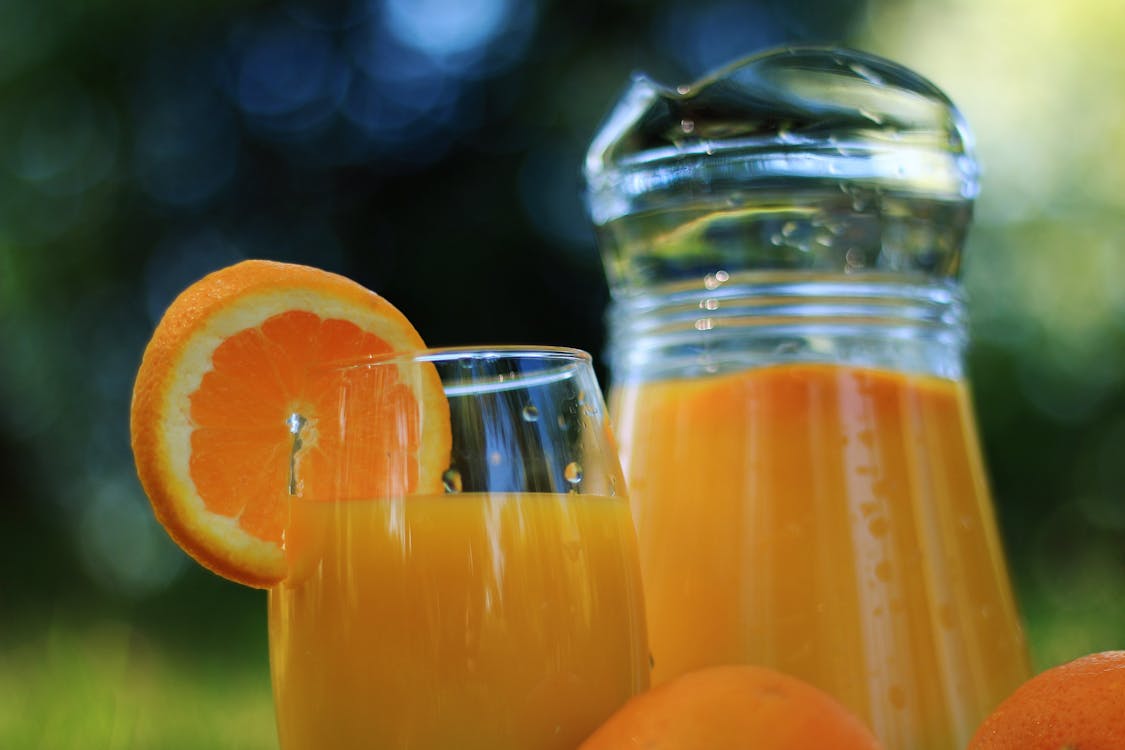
(464, 567)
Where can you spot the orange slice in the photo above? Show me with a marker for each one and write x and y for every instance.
(214, 433)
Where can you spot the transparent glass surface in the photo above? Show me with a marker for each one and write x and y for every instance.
(811, 159)
(488, 600)
(783, 241)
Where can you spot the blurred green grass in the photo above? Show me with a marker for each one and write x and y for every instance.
(71, 682)
(106, 683)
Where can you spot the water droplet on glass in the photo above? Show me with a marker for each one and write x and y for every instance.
(562, 422)
(451, 479)
(687, 126)
(573, 472)
(776, 239)
(873, 116)
(296, 423)
(866, 73)
(530, 413)
(785, 133)
(716, 280)
(883, 571)
(788, 229)
(787, 347)
(709, 304)
(495, 459)
(704, 324)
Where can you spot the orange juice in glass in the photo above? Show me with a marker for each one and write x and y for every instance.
(783, 241)
(504, 611)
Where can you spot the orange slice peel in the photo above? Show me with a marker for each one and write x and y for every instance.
(229, 417)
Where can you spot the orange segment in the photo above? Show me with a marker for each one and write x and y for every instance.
(225, 373)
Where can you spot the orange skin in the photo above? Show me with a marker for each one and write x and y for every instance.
(224, 312)
(1079, 705)
(733, 708)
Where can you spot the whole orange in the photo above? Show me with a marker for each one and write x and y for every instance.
(732, 708)
(1079, 705)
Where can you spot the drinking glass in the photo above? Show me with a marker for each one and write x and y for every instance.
(496, 605)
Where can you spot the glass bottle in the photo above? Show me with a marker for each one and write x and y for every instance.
(783, 242)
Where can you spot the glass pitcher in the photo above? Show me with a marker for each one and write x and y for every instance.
(783, 241)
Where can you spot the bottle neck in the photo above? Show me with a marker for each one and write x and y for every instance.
(733, 322)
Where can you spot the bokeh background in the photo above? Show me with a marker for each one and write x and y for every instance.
(430, 149)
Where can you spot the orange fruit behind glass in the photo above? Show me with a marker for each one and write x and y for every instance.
(733, 708)
(1079, 705)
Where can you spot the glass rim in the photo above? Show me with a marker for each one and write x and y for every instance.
(475, 352)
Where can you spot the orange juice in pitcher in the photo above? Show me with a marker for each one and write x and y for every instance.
(783, 242)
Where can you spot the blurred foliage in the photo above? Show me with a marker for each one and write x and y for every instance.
(104, 684)
(430, 149)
